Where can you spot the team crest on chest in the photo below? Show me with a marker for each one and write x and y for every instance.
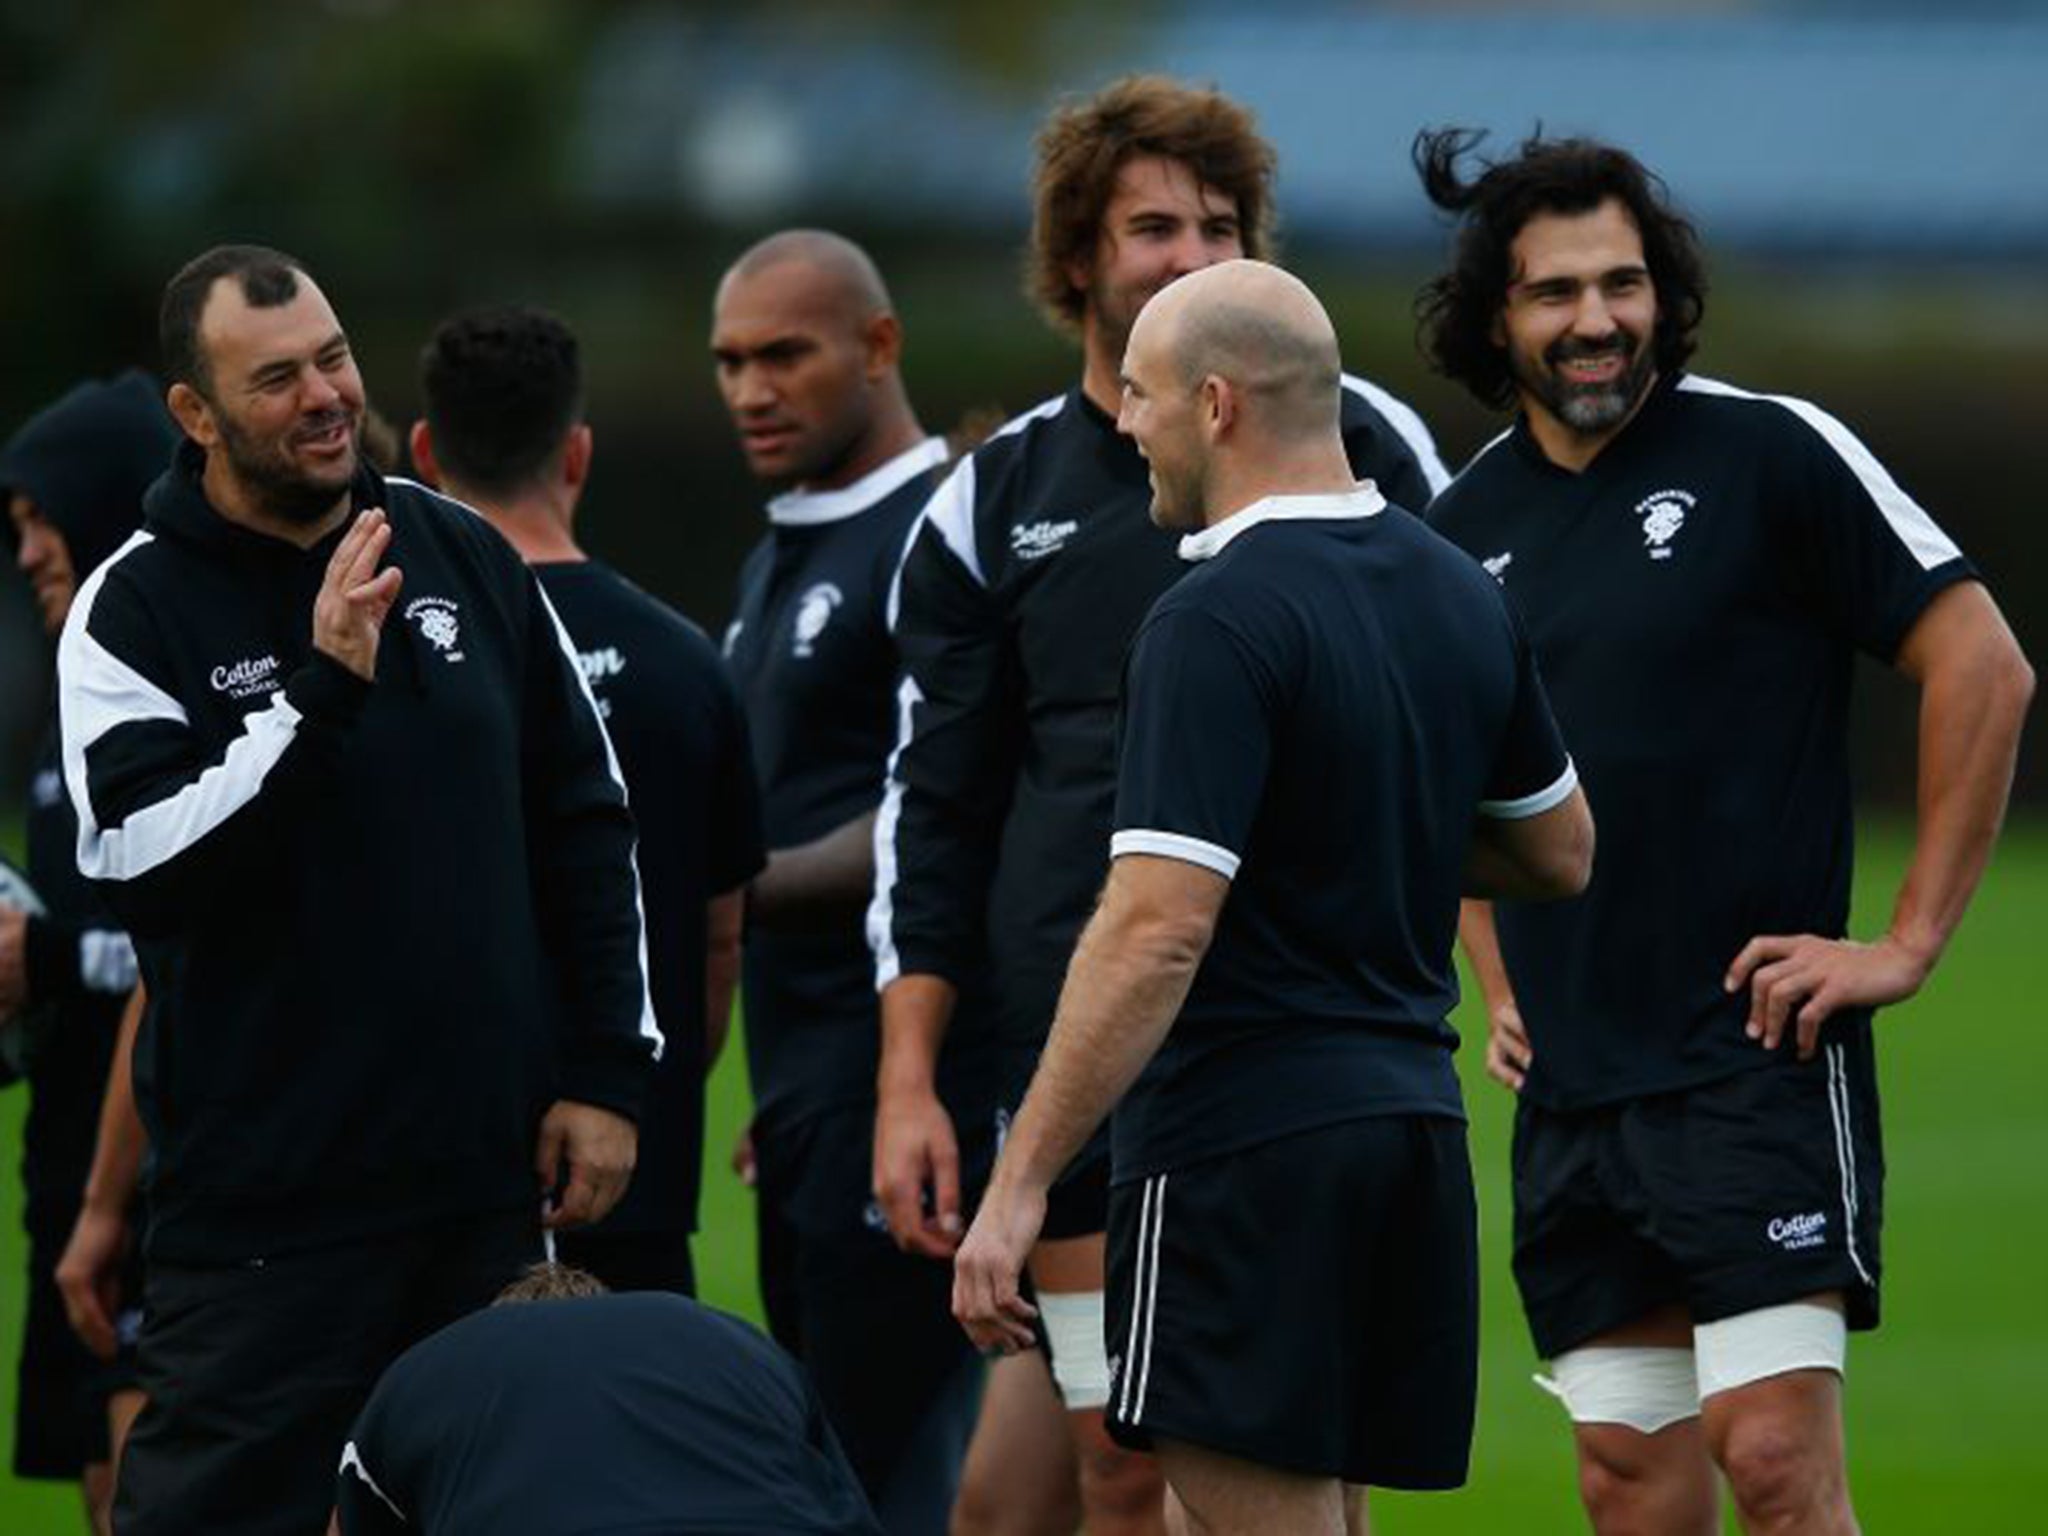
(814, 611)
(435, 619)
(1664, 514)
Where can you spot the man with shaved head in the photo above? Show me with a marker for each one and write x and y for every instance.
(807, 348)
(1331, 729)
(1031, 571)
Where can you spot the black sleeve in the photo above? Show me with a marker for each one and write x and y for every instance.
(167, 823)
(1531, 771)
(1872, 558)
(366, 1492)
(1388, 444)
(586, 888)
(1195, 742)
(950, 777)
(736, 848)
(64, 960)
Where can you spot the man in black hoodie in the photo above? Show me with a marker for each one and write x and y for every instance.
(73, 479)
(375, 854)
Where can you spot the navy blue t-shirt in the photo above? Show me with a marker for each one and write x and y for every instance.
(1696, 597)
(682, 746)
(641, 1414)
(810, 650)
(1318, 712)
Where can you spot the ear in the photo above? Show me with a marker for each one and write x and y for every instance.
(577, 449)
(883, 336)
(420, 444)
(1219, 405)
(193, 415)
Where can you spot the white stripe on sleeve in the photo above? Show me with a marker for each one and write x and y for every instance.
(1413, 430)
(1548, 798)
(1175, 845)
(882, 908)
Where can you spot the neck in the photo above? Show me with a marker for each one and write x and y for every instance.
(893, 429)
(1564, 444)
(539, 523)
(233, 500)
(1317, 468)
(1101, 366)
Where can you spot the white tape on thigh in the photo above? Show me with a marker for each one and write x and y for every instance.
(1799, 1336)
(1080, 1362)
(1642, 1386)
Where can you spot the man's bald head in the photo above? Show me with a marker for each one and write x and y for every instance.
(844, 273)
(1262, 331)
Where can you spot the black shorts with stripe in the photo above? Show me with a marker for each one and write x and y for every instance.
(1743, 1193)
(1311, 1304)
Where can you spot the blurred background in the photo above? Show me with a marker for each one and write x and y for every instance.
(1869, 177)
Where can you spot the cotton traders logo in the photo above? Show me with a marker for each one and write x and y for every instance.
(435, 617)
(1792, 1233)
(246, 678)
(813, 612)
(1663, 514)
(1497, 566)
(1034, 541)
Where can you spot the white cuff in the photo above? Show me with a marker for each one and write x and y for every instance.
(1534, 805)
(1175, 845)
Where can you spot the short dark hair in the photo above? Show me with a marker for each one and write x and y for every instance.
(1455, 313)
(268, 279)
(1085, 143)
(550, 1281)
(502, 387)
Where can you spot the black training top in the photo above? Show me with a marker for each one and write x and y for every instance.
(1696, 598)
(383, 924)
(676, 725)
(1317, 713)
(81, 966)
(809, 646)
(645, 1414)
(1027, 578)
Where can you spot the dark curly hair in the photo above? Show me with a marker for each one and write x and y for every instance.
(502, 387)
(1085, 143)
(1455, 313)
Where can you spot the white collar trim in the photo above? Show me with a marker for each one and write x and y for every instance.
(1365, 501)
(798, 509)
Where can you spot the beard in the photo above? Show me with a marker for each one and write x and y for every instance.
(279, 486)
(1590, 409)
(1180, 498)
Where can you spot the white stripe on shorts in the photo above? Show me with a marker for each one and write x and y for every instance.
(1144, 1302)
(1845, 1152)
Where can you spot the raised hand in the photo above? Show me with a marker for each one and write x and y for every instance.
(355, 597)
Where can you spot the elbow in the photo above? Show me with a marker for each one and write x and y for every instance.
(1568, 868)
(1174, 941)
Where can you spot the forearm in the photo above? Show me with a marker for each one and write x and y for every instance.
(917, 1011)
(722, 918)
(122, 1142)
(1123, 991)
(830, 877)
(1971, 711)
(1482, 951)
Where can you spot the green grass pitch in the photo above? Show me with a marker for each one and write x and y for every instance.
(1943, 1402)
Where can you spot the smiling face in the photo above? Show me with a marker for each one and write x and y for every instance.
(1159, 224)
(1578, 320)
(1160, 412)
(797, 367)
(283, 407)
(42, 555)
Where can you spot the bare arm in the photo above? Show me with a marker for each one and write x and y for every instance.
(1532, 858)
(1975, 686)
(89, 1272)
(722, 919)
(818, 884)
(1129, 977)
(915, 1146)
(1508, 1052)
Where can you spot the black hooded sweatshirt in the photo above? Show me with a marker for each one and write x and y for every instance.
(84, 462)
(383, 924)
